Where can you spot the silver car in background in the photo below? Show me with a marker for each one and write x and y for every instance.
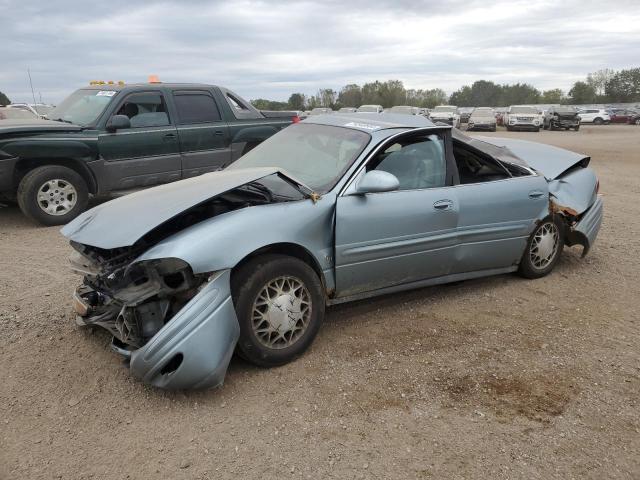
(332, 209)
(482, 118)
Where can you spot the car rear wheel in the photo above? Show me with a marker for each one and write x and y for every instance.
(543, 250)
(52, 195)
(597, 121)
(280, 305)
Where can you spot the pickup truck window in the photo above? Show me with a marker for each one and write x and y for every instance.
(83, 106)
(146, 109)
(196, 107)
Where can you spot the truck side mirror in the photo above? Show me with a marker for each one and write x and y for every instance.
(118, 122)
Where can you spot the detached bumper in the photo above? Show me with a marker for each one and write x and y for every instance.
(586, 230)
(194, 348)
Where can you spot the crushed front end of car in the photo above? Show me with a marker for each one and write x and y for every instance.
(178, 330)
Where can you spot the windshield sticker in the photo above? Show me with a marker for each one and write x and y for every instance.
(364, 126)
(105, 93)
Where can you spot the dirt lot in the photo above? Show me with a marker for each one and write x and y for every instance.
(493, 378)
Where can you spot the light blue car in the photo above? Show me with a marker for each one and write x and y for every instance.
(333, 209)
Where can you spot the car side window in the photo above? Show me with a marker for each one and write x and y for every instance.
(196, 107)
(474, 167)
(145, 109)
(417, 163)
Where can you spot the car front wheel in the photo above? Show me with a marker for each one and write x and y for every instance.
(543, 250)
(280, 305)
(52, 194)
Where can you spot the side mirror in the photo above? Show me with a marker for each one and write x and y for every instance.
(376, 181)
(118, 122)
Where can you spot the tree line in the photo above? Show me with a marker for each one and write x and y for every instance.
(603, 86)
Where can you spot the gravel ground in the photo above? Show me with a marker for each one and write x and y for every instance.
(491, 378)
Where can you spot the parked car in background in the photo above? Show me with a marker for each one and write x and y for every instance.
(320, 111)
(446, 114)
(482, 118)
(17, 114)
(561, 117)
(621, 115)
(522, 117)
(634, 119)
(39, 109)
(597, 116)
(108, 138)
(183, 275)
(465, 113)
(347, 110)
(404, 109)
(369, 109)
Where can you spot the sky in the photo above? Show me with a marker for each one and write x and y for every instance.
(270, 49)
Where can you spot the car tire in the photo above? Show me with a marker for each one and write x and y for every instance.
(577, 128)
(509, 129)
(638, 121)
(598, 121)
(543, 248)
(65, 190)
(537, 129)
(275, 277)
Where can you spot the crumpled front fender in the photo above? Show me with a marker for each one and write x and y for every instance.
(194, 348)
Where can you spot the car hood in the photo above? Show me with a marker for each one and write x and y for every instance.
(551, 161)
(35, 126)
(123, 221)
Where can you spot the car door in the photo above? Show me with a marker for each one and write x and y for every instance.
(402, 236)
(145, 154)
(497, 211)
(204, 136)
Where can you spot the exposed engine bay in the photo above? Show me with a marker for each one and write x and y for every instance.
(133, 301)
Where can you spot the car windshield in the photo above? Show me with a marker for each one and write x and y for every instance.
(524, 110)
(368, 108)
(317, 155)
(16, 113)
(43, 109)
(82, 107)
(444, 109)
(564, 109)
(483, 112)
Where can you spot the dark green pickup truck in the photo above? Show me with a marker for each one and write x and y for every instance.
(109, 138)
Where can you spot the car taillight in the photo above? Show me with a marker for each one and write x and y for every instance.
(295, 119)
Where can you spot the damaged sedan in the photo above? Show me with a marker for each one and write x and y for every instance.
(333, 209)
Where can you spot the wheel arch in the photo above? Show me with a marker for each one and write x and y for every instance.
(25, 165)
(289, 249)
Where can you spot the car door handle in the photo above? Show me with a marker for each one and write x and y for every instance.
(169, 136)
(535, 194)
(218, 132)
(443, 205)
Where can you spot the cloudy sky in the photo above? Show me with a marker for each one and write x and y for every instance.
(269, 49)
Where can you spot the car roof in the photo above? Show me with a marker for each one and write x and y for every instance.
(369, 122)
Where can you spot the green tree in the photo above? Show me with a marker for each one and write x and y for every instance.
(598, 80)
(326, 97)
(296, 101)
(263, 104)
(554, 95)
(350, 96)
(4, 100)
(462, 97)
(518, 94)
(582, 93)
(624, 86)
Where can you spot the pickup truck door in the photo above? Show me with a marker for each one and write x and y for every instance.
(204, 136)
(398, 237)
(145, 154)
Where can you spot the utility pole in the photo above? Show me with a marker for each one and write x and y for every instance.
(33, 94)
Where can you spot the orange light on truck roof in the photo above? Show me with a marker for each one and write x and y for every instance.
(154, 79)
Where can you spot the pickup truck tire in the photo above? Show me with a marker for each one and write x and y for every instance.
(52, 195)
(276, 291)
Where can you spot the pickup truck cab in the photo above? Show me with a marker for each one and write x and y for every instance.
(114, 137)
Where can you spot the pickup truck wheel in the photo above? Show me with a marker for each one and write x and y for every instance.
(52, 195)
(543, 250)
(280, 304)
